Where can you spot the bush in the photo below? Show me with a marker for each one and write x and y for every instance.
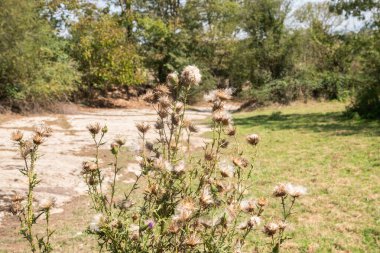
(190, 203)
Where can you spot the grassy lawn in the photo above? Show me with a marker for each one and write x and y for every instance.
(337, 159)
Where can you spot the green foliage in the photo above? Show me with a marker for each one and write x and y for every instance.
(33, 64)
(105, 56)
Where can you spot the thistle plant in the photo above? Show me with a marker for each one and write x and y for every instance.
(24, 206)
(182, 200)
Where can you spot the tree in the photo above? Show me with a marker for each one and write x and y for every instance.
(33, 64)
(106, 57)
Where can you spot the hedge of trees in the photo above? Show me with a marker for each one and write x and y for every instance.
(50, 50)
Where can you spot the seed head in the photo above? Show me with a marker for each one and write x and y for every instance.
(43, 131)
(120, 141)
(230, 130)
(46, 204)
(162, 90)
(191, 76)
(159, 124)
(206, 196)
(248, 206)
(240, 162)
(164, 101)
(184, 210)
(279, 190)
(226, 169)
(253, 139)
(88, 167)
(149, 96)
(282, 225)
(26, 149)
(172, 79)
(142, 127)
(262, 202)
(180, 168)
(224, 94)
(192, 241)
(295, 190)
(94, 128)
(125, 204)
(17, 136)
(270, 229)
(38, 139)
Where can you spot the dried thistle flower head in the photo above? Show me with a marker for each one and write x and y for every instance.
(17, 136)
(221, 116)
(209, 156)
(172, 79)
(180, 168)
(270, 229)
(96, 223)
(164, 101)
(206, 198)
(254, 221)
(230, 130)
(184, 210)
(94, 128)
(224, 143)
(192, 241)
(38, 139)
(46, 204)
(88, 167)
(240, 162)
(224, 94)
(142, 127)
(279, 190)
(163, 113)
(43, 130)
(121, 141)
(159, 124)
(282, 225)
(253, 139)
(295, 190)
(191, 76)
(248, 206)
(149, 96)
(262, 202)
(26, 149)
(226, 169)
(18, 198)
(189, 125)
(125, 204)
(173, 228)
(162, 90)
(210, 96)
(178, 107)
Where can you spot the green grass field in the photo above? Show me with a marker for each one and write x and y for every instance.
(337, 159)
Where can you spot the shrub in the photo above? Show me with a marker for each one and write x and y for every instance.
(189, 202)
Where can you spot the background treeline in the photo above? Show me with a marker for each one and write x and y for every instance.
(54, 50)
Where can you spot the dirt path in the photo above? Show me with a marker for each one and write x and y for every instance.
(59, 167)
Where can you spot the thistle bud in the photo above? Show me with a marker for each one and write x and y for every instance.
(115, 148)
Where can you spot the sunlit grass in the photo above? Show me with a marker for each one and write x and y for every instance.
(336, 158)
